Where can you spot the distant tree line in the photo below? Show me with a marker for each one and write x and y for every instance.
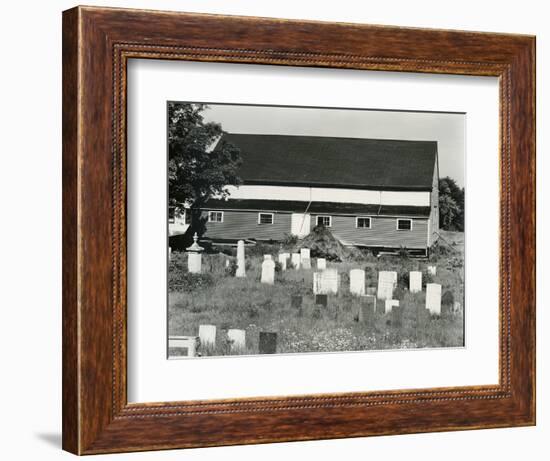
(451, 205)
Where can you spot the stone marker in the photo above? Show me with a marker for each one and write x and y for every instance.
(326, 281)
(296, 301)
(268, 271)
(321, 300)
(296, 260)
(241, 262)
(283, 257)
(268, 342)
(306, 263)
(387, 280)
(321, 263)
(397, 316)
(187, 345)
(433, 298)
(305, 258)
(207, 335)
(432, 270)
(268, 258)
(415, 281)
(446, 311)
(367, 309)
(169, 253)
(194, 258)
(237, 339)
(357, 282)
(390, 304)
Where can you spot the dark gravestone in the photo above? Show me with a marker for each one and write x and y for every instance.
(446, 311)
(397, 316)
(296, 301)
(321, 300)
(367, 309)
(268, 343)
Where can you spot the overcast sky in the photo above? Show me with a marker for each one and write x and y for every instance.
(447, 129)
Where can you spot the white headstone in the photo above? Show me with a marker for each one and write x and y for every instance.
(432, 270)
(387, 281)
(321, 263)
(325, 282)
(390, 303)
(283, 257)
(169, 253)
(241, 262)
(207, 335)
(357, 282)
(237, 338)
(189, 343)
(296, 260)
(415, 281)
(194, 263)
(267, 257)
(305, 253)
(433, 298)
(268, 271)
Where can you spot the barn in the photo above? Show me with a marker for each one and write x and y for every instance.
(376, 193)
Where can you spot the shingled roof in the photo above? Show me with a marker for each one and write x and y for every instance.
(384, 164)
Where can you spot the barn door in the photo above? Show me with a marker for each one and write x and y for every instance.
(300, 224)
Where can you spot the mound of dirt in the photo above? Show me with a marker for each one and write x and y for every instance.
(323, 244)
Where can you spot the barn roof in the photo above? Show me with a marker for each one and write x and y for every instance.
(384, 164)
(294, 206)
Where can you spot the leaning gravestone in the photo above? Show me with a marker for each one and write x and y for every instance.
(241, 262)
(268, 271)
(296, 260)
(321, 263)
(296, 301)
(305, 258)
(283, 258)
(321, 300)
(357, 282)
(207, 335)
(237, 339)
(387, 280)
(367, 309)
(415, 281)
(390, 304)
(433, 298)
(268, 343)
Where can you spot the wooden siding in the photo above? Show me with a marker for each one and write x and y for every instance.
(238, 225)
(382, 233)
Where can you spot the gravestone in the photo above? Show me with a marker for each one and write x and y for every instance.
(390, 304)
(169, 253)
(237, 339)
(321, 300)
(397, 316)
(268, 271)
(367, 309)
(283, 257)
(415, 281)
(241, 262)
(182, 346)
(433, 298)
(321, 263)
(207, 335)
(446, 311)
(326, 282)
(296, 260)
(357, 282)
(387, 280)
(268, 342)
(194, 258)
(268, 258)
(305, 258)
(432, 270)
(296, 301)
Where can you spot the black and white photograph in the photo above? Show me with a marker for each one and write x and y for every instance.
(313, 230)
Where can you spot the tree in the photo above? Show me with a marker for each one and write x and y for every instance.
(198, 168)
(451, 205)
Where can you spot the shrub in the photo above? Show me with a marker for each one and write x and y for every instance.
(179, 280)
(289, 240)
(231, 269)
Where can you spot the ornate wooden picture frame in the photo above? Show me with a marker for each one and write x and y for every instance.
(97, 44)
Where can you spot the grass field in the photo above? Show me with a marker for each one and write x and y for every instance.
(218, 298)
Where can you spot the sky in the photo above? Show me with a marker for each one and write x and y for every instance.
(448, 129)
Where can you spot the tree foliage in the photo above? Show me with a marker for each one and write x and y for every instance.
(201, 164)
(196, 170)
(451, 205)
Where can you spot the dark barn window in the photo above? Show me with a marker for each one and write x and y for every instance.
(363, 223)
(265, 218)
(215, 216)
(404, 224)
(324, 221)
